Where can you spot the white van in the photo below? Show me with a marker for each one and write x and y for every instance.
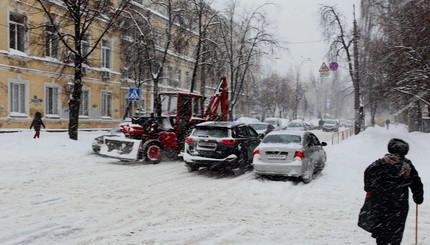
(278, 123)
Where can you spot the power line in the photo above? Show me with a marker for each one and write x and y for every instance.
(305, 42)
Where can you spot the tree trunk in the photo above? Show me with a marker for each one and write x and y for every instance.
(75, 102)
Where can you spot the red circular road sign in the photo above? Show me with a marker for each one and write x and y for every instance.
(333, 66)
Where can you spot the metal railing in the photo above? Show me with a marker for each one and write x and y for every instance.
(336, 138)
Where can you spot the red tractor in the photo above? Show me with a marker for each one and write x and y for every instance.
(151, 138)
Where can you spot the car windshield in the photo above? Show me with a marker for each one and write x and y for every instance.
(258, 126)
(330, 122)
(273, 122)
(211, 132)
(282, 138)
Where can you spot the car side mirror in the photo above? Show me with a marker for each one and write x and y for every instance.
(323, 143)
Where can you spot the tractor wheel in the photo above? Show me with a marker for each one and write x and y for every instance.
(153, 152)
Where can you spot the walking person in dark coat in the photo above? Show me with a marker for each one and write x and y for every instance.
(37, 123)
(387, 123)
(387, 182)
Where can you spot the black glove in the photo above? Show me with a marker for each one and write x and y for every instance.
(418, 199)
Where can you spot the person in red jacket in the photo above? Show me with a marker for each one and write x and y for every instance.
(387, 182)
(37, 123)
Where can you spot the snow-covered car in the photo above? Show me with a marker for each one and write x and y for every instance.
(348, 123)
(330, 125)
(262, 128)
(291, 154)
(278, 123)
(297, 125)
(98, 141)
(220, 145)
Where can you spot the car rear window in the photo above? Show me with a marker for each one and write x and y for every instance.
(258, 126)
(295, 124)
(211, 132)
(282, 138)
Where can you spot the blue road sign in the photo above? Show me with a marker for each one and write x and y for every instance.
(133, 94)
(333, 66)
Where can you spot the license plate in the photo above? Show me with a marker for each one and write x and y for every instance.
(276, 157)
(207, 144)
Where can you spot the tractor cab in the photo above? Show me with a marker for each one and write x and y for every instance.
(182, 109)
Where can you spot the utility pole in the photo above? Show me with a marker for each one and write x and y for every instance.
(359, 113)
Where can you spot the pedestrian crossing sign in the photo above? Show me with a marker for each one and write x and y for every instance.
(133, 94)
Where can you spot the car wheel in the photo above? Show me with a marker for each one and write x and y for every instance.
(191, 168)
(153, 152)
(241, 165)
(258, 176)
(309, 174)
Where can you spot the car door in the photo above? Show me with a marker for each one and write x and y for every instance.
(318, 150)
(254, 141)
(311, 149)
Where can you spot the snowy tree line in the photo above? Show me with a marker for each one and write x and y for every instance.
(157, 33)
(395, 59)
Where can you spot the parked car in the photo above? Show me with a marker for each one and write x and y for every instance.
(348, 123)
(278, 123)
(330, 125)
(262, 128)
(290, 153)
(98, 141)
(297, 125)
(220, 145)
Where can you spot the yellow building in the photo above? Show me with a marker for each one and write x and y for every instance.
(37, 70)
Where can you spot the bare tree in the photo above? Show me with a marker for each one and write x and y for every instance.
(341, 43)
(243, 41)
(72, 27)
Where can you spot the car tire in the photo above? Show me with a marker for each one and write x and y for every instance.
(153, 152)
(191, 168)
(309, 174)
(241, 165)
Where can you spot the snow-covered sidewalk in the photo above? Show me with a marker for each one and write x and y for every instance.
(55, 191)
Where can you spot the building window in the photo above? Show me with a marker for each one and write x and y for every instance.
(17, 98)
(170, 76)
(178, 78)
(85, 46)
(186, 50)
(51, 101)
(187, 80)
(52, 43)
(83, 109)
(17, 32)
(106, 54)
(106, 104)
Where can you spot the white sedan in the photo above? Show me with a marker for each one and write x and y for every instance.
(290, 153)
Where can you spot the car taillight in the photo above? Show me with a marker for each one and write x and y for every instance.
(189, 140)
(299, 154)
(256, 152)
(229, 141)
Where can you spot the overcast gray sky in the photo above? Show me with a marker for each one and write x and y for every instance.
(297, 24)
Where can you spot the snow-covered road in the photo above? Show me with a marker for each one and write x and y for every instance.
(55, 191)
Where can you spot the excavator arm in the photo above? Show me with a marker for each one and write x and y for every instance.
(219, 98)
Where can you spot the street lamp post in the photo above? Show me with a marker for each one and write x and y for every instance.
(299, 91)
